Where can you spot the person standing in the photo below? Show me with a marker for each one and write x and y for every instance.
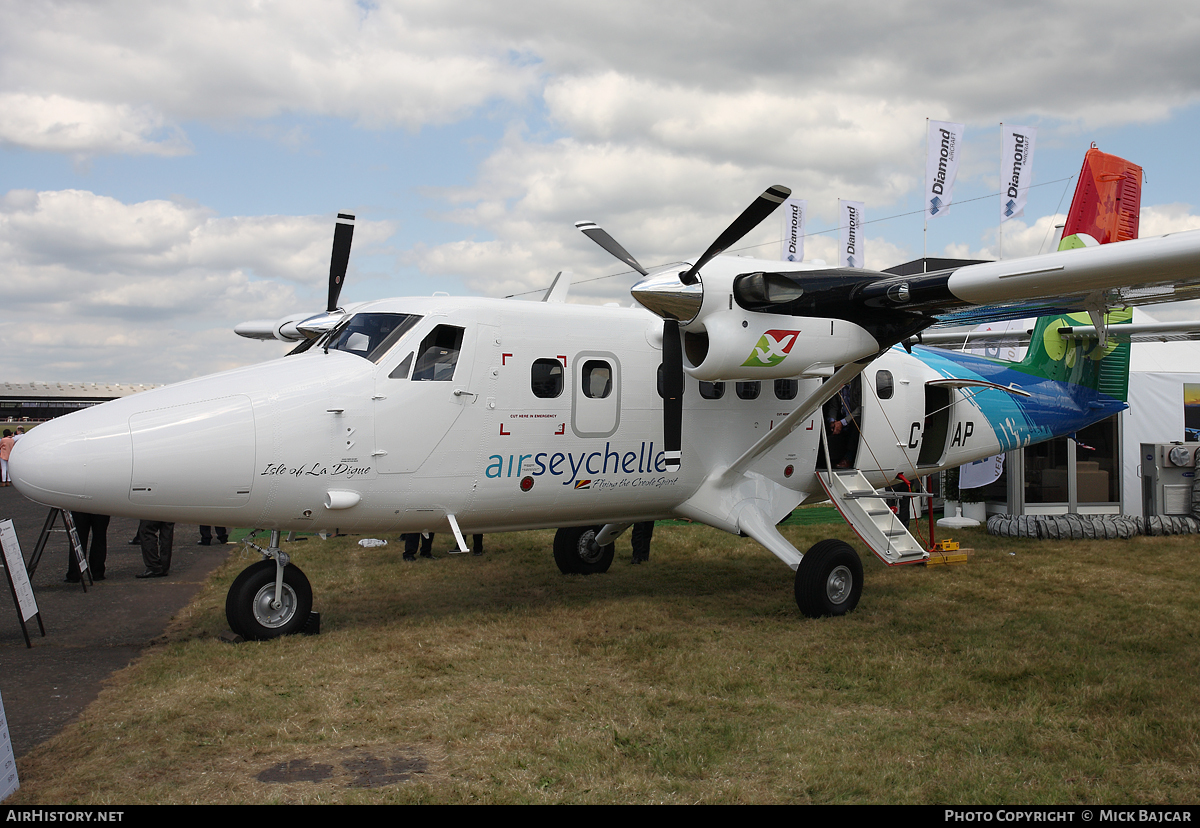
(156, 537)
(95, 526)
(6, 446)
(640, 540)
(844, 413)
(412, 539)
(206, 536)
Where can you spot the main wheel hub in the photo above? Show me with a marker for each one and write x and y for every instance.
(265, 611)
(589, 551)
(839, 584)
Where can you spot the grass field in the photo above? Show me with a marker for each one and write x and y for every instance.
(1039, 672)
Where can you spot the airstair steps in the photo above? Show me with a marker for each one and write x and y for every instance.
(860, 504)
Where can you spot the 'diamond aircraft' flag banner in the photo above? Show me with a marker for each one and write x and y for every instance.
(1016, 169)
(794, 210)
(944, 144)
(851, 250)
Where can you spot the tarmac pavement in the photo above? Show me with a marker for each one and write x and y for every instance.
(88, 636)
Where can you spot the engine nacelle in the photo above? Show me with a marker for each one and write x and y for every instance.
(743, 345)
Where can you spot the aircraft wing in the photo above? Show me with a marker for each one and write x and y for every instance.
(1187, 330)
(1134, 272)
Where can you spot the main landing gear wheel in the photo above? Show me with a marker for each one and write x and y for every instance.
(250, 609)
(829, 580)
(575, 551)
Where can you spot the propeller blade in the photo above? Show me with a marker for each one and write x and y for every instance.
(750, 218)
(672, 394)
(343, 234)
(597, 234)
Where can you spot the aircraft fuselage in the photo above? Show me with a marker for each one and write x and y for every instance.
(537, 416)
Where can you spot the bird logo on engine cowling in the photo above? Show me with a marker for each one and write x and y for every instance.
(771, 349)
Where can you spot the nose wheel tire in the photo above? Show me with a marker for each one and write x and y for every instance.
(829, 579)
(250, 606)
(575, 551)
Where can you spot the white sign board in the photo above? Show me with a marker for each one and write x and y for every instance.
(8, 763)
(15, 564)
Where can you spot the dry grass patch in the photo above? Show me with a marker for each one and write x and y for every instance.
(1038, 672)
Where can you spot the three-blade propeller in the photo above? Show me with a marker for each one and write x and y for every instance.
(672, 379)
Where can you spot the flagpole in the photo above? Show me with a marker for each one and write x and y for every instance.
(925, 212)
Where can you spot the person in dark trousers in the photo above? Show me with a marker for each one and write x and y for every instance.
(156, 537)
(476, 545)
(843, 414)
(410, 545)
(640, 538)
(95, 526)
(206, 536)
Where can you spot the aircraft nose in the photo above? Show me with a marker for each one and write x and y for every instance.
(143, 455)
(80, 461)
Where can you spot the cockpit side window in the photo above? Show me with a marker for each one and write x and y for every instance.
(371, 335)
(438, 354)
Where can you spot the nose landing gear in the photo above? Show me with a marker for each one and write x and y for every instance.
(270, 598)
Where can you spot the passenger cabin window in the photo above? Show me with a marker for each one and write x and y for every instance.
(884, 385)
(371, 335)
(748, 390)
(546, 378)
(597, 379)
(712, 390)
(786, 389)
(438, 354)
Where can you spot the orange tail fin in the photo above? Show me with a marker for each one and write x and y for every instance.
(1108, 201)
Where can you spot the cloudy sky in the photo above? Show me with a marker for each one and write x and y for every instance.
(171, 169)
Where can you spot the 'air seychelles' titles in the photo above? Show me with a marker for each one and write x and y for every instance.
(564, 463)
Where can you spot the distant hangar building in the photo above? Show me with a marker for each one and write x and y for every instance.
(39, 401)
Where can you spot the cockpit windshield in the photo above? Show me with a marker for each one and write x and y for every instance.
(371, 335)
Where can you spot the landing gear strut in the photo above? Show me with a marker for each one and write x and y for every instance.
(270, 598)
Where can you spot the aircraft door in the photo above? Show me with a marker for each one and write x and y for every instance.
(596, 394)
(938, 401)
(420, 393)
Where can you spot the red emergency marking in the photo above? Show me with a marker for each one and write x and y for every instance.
(503, 432)
(504, 358)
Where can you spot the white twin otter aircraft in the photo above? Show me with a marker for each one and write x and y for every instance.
(473, 415)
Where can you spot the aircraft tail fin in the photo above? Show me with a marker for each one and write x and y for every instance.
(1107, 203)
(1103, 368)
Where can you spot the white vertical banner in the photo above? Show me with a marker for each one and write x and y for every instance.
(981, 473)
(794, 211)
(1016, 169)
(944, 144)
(851, 248)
